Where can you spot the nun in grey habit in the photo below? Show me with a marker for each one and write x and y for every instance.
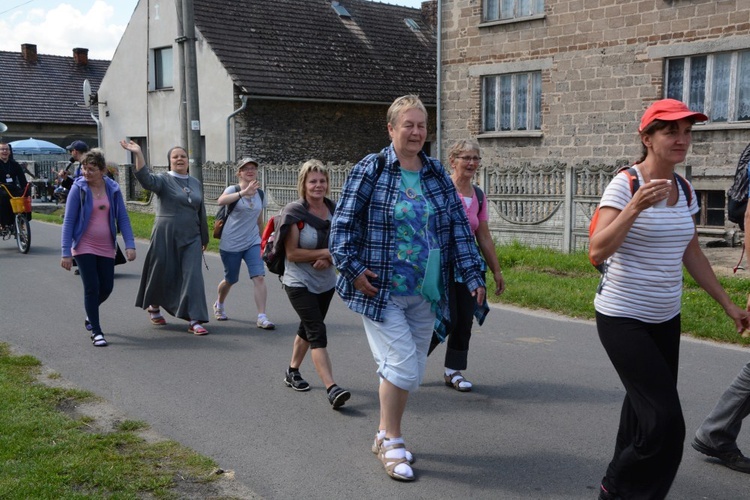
(172, 277)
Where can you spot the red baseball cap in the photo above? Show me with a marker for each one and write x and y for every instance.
(669, 110)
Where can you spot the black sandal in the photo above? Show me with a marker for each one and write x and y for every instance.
(98, 340)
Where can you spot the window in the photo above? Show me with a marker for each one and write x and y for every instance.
(499, 10)
(512, 102)
(716, 84)
(712, 208)
(163, 70)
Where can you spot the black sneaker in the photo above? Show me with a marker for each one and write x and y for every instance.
(338, 396)
(733, 459)
(294, 380)
(87, 325)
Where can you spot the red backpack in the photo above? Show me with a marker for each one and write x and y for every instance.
(632, 176)
(272, 250)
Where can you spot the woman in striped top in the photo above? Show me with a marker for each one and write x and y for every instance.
(644, 238)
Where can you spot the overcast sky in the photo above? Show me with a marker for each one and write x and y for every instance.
(56, 27)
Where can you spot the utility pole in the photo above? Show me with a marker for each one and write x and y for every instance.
(181, 72)
(195, 152)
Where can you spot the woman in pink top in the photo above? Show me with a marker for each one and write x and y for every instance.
(94, 212)
(464, 161)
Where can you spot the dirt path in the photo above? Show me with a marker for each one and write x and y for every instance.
(724, 259)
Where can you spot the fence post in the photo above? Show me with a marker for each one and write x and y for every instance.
(569, 210)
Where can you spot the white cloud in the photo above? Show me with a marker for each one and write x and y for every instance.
(58, 30)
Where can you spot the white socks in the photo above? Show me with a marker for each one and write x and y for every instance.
(464, 384)
(403, 469)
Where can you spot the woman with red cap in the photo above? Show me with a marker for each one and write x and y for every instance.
(643, 239)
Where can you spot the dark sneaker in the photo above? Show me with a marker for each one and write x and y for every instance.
(294, 380)
(87, 325)
(338, 396)
(733, 459)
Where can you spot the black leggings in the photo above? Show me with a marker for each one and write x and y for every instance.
(311, 309)
(649, 443)
(98, 277)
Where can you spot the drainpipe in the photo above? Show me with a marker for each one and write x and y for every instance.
(439, 114)
(237, 111)
(98, 126)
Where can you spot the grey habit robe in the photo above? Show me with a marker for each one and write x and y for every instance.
(172, 276)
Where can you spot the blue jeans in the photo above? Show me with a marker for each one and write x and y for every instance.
(233, 261)
(98, 277)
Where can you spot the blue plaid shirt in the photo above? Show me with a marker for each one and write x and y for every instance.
(363, 232)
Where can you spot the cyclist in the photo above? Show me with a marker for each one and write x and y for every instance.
(12, 177)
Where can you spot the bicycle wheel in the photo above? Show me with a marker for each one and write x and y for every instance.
(23, 233)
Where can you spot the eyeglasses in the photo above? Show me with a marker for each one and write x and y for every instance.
(476, 159)
(4, 150)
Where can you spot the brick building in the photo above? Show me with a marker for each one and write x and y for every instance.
(546, 82)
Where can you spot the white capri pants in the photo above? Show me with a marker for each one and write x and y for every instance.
(400, 342)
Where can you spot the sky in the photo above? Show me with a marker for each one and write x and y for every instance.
(56, 27)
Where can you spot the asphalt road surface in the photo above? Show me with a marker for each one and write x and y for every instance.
(540, 423)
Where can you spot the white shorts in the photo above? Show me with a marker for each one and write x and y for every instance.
(400, 342)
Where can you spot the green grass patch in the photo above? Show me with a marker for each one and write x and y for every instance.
(541, 278)
(46, 454)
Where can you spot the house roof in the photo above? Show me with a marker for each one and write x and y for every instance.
(46, 91)
(304, 49)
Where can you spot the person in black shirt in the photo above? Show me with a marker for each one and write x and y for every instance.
(13, 178)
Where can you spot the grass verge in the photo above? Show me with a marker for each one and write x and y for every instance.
(47, 454)
(540, 278)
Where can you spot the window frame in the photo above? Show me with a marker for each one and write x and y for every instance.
(702, 215)
(159, 71)
(498, 11)
(506, 113)
(708, 102)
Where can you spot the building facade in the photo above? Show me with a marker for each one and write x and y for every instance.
(316, 78)
(563, 83)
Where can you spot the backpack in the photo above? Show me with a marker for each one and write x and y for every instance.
(272, 246)
(272, 249)
(480, 196)
(223, 214)
(632, 176)
(738, 192)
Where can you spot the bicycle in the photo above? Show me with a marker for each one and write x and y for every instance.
(21, 230)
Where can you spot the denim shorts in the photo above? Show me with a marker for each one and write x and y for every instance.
(233, 260)
(400, 342)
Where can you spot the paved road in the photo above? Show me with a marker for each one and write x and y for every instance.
(540, 424)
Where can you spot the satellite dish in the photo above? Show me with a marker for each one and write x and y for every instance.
(86, 93)
(3, 127)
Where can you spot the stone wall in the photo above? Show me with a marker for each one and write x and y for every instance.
(293, 132)
(602, 64)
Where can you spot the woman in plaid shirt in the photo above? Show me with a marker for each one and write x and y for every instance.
(398, 229)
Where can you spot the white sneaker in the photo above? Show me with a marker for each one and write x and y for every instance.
(219, 312)
(264, 323)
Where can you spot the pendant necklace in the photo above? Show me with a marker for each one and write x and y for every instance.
(410, 190)
(187, 189)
